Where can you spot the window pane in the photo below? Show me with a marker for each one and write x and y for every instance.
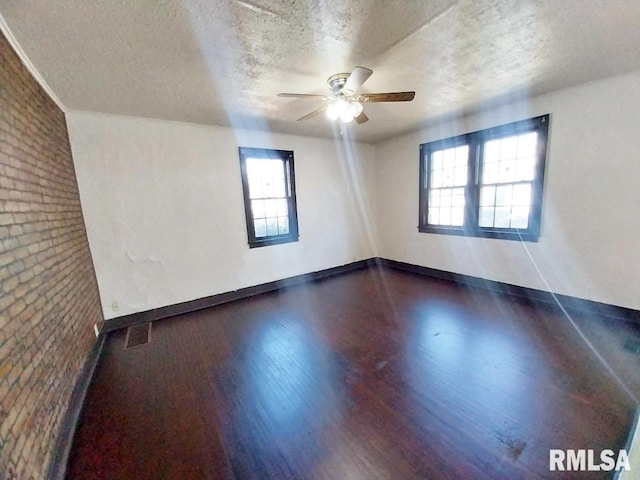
(460, 176)
(266, 177)
(447, 177)
(272, 226)
(436, 160)
(279, 187)
(492, 151)
(281, 207)
(522, 194)
(260, 226)
(434, 198)
(257, 208)
(267, 188)
(506, 171)
(508, 148)
(486, 217)
(527, 144)
(457, 198)
(462, 156)
(273, 187)
(502, 217)
(445, 216)
(520, 217)
(434, 216)
(436, 179)
(270, 208)
(457, 216)
(503, 195)
(490, 173)
(283, 225)
(445, 197)
(255, 187)
(515, 157)
(525, 169)
(265, 167)
(448, 158)
(488, 197)
(253, 168)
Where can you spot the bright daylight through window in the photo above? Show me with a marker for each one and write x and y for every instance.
(487, 183)
(269, 196)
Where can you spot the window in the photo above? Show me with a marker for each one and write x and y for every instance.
(269, 196)
(486, 183)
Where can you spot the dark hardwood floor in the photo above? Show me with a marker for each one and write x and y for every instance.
(376, 374)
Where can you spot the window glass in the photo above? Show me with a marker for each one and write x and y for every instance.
(269, 190)
(486, 183)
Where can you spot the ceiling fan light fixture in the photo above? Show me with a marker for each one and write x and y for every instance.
(356, 108)
(346, 116)
(345, 110)
(333, 111)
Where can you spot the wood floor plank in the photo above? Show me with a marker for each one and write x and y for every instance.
(372, 374)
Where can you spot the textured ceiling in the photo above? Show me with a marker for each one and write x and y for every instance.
(223, 62)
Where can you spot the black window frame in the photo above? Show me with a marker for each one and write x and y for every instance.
(287, 158)
(475, 141)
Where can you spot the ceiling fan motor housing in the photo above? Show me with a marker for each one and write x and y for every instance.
(337, 81)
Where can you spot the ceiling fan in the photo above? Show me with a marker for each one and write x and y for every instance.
(344, 101)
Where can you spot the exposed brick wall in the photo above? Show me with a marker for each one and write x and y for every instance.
(48, 291)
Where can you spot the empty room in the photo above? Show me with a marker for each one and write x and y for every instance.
(312, 239)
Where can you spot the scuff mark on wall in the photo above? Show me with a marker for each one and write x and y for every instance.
(147, 259)
(144, 272)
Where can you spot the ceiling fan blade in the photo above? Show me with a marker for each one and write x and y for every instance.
(389, 97)
(300, 95)
(361, 118)
(358, 76)
(314, 113)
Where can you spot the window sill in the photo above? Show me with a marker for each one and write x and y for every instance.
(273, 241)
(526, 236)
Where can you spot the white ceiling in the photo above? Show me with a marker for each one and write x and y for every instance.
(223, 62)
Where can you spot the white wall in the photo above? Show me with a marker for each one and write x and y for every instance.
(164, 211)
(590, 241)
